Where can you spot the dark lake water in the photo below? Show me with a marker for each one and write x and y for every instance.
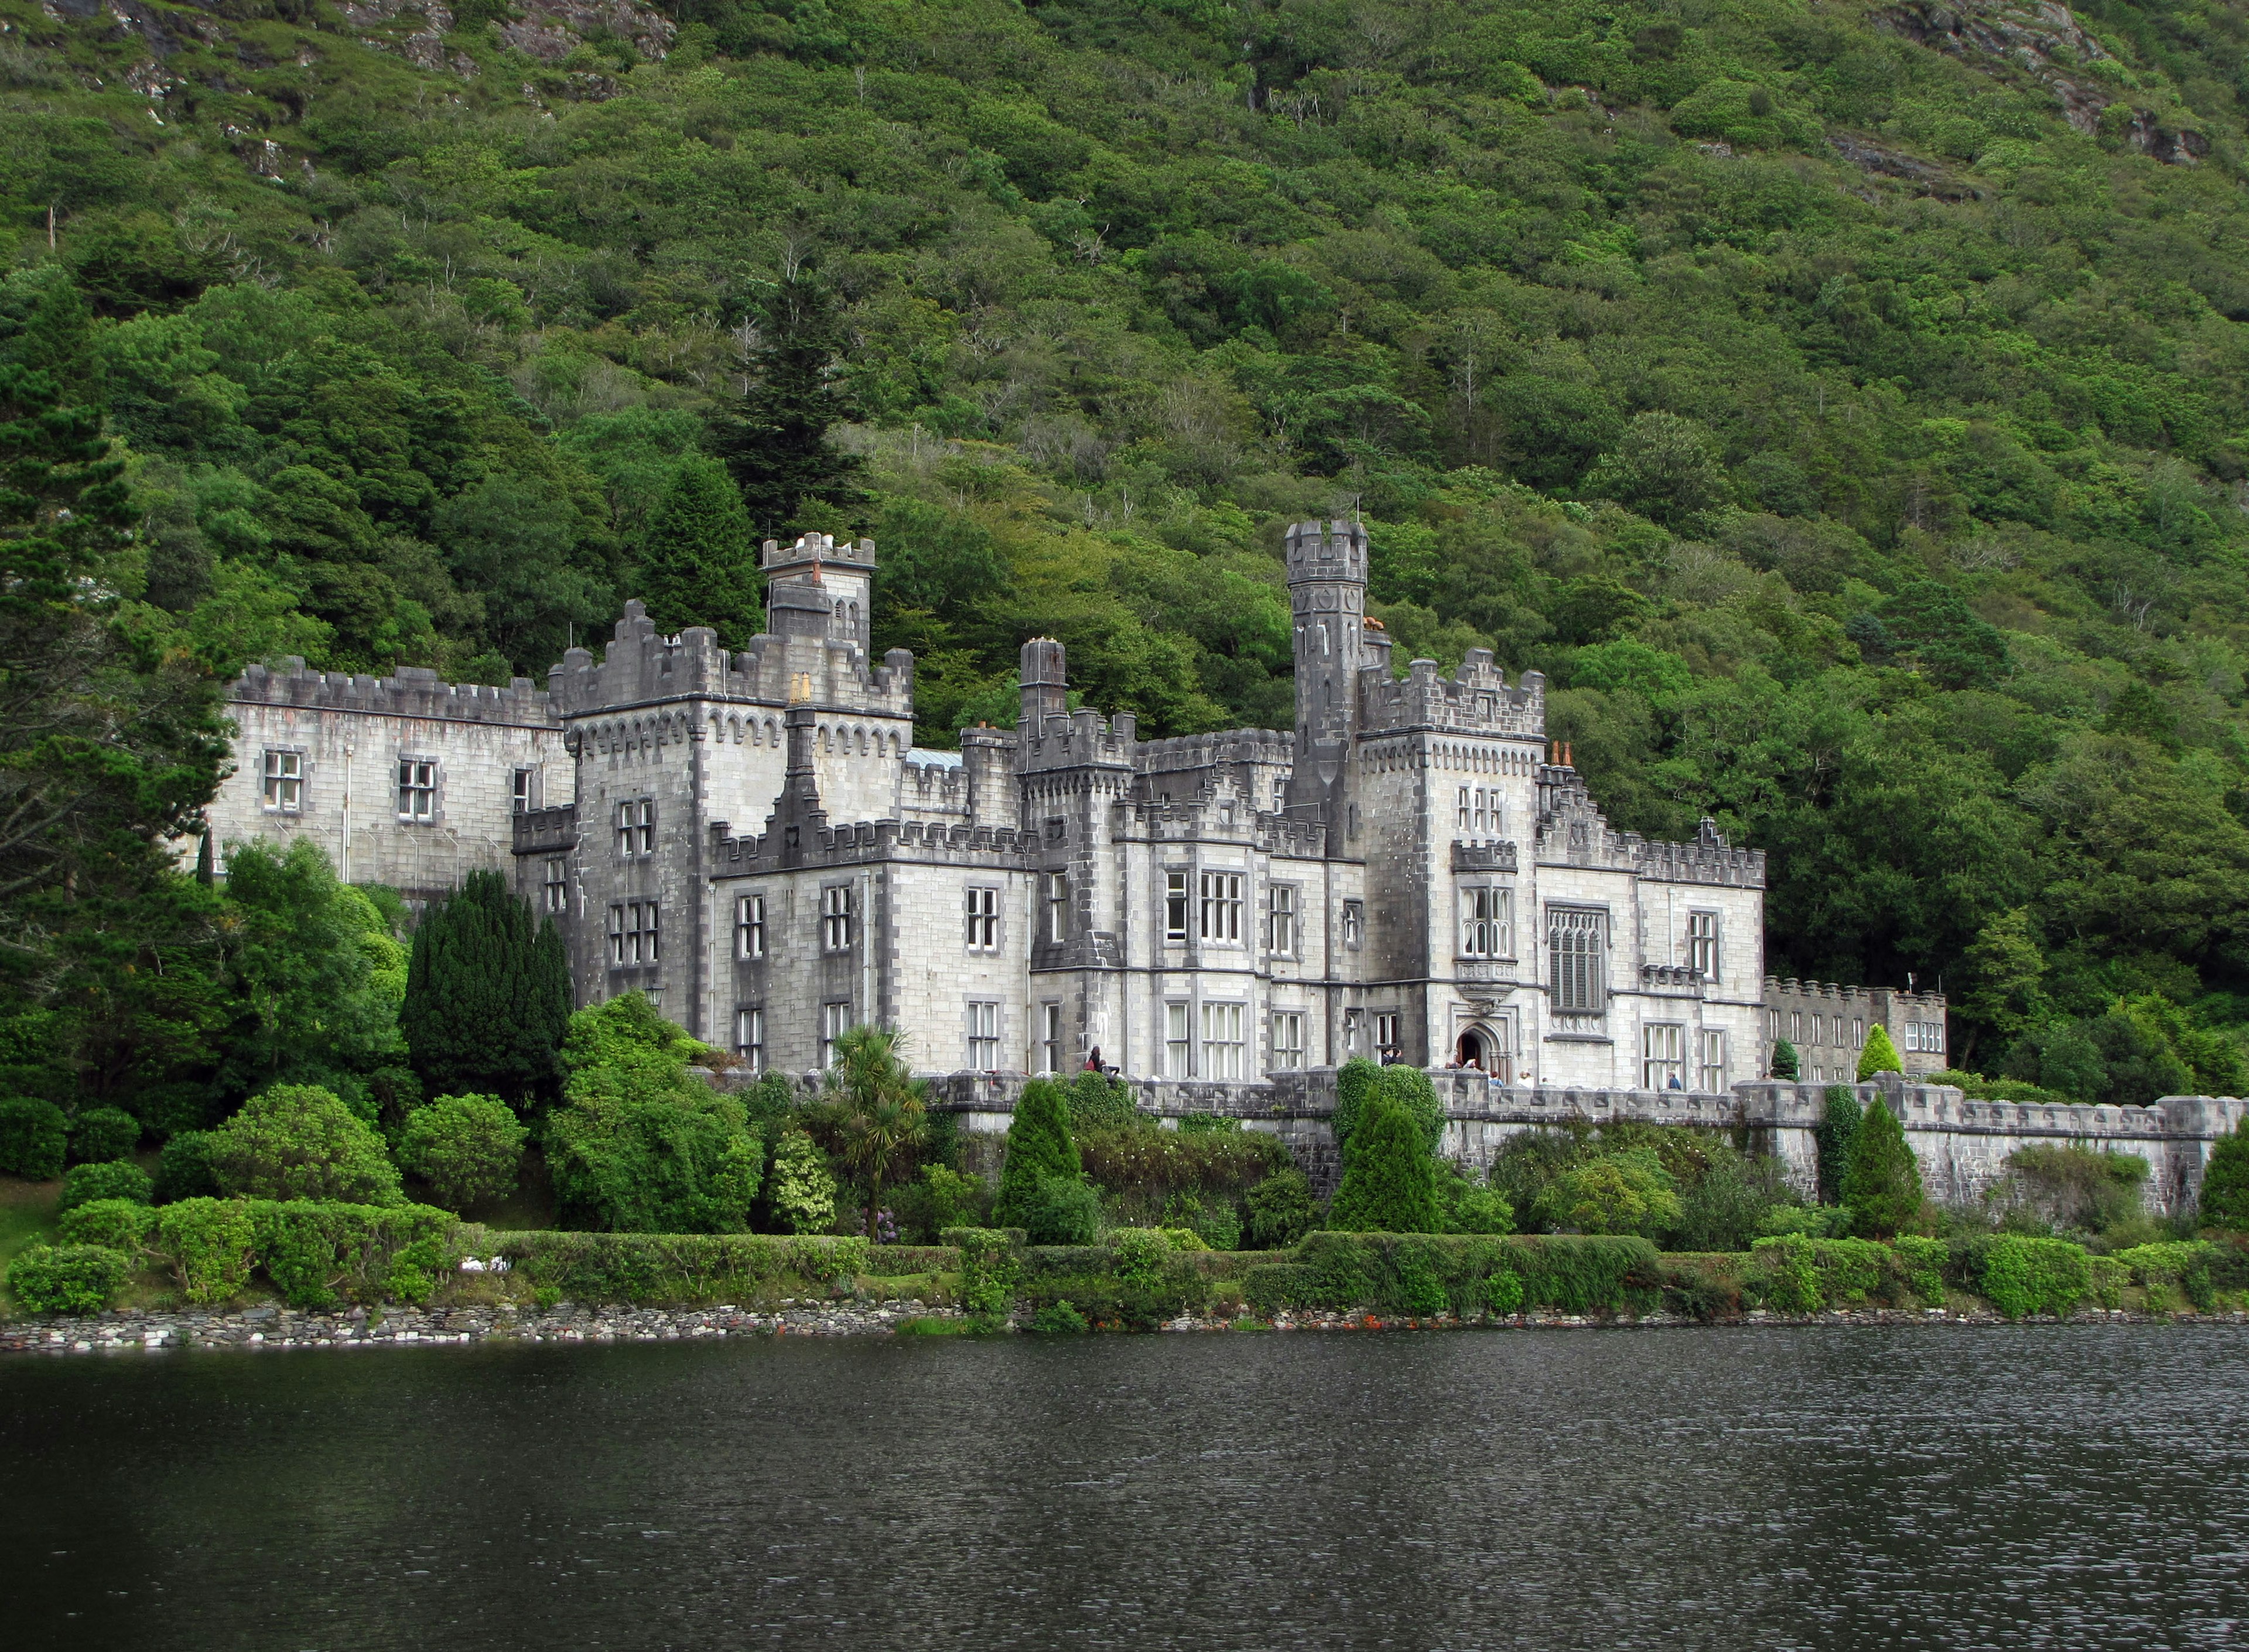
(2060, 1487)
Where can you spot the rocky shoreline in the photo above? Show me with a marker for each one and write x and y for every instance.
(269, 1326)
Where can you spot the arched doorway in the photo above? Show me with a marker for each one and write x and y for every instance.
(1475, 1048)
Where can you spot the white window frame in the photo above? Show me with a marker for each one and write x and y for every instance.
(835, 1020)
(1288, 1040)
(1178, 1042)
(1702, 951)
(417, 791)
(285, 780)
(981, 906)
(635, 933)
(1353, 923)
(1225, 1051)
(520, 789)
(1662, 1055)
(983, 1016)
(1389, 1035)
(1219, 901)
(1058, 904)
(636, 827)
(749, 926)
(1487, 922)
(1710, 1060)
(1282, 916)
(836, 915)
(1176, 905)
(554, 883)
(1050, 1036)
(750, 1035)
(1576, 948)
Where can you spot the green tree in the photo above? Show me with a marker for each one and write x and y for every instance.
(802, 1197)
(468, 1148)
(488, 995)
(1665, 467)
(2225, 1202)
(697, 565)
(1618, 1193)
(2005, 968)
(884, 1123)
(776, 437)
(1881, 1184)
(298, 1141)
(1784, 1059)
(1281, 1210)
(1389, 1176)
(1834, 1137)
(1039, 1145)
(1357, 1083)
(1879, 1054)
(1932, 626)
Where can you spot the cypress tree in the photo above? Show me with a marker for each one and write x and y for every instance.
(1357, 1080)
(487, 995)
(1784, 1059)
(1039, 1146)
(774, 439)
(698, 566)
(2225, 1183)
(1880, 1054)
(1881, 1184)
(1389, 1176)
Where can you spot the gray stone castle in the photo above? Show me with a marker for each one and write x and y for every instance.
(753, 839)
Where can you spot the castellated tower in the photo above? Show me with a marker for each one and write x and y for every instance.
(844, 574)
(1327, 603)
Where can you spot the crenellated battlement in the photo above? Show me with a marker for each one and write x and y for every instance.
(411, 691)
(1476, 699)
(642, 666)
(999, 847)
(1075, 739)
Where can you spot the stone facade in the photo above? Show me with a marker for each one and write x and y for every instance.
(1412, 873)
(1827, 1025)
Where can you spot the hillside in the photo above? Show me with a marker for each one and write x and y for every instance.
(1844, 404)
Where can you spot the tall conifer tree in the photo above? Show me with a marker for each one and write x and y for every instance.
(698, 566)
(487, 995)
(775, 437)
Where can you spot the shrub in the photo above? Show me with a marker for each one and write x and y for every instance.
(2025, 1276)
(1726, 1208)
(121, 1179)
(1142, 1169)
(66, 1278)
(103, 1134)
(800, 1194)
(1273, 1286)
(183, 1168)
(312, 1249)
(209, 1245)
(1502, 1293)
(1784, 1059)
(1062, 1210)
(1059, 1320)
(642, 1267)
(1581, 1274)
(121, 1224)
(990, 1270)
(1358, 1082)
(1388, 1176)
(1099, 1102)
(2225, 1182)
(1214, 1223)
(2161, 1268)
(1411, 1089)
(1878, 1054)
(298, 1141)
(1882, 1185)
(1141, 1254)
(955, 1200)
(1788, 1268)
(1465, 1205)
(2075, 1186)
(1833, 1137)
(1039, 1146)
(1922, 1262)
(1420, 1288)
(1281, 1210)
(33, 1135)
(468, 1148)
(1816, 1222)
(1623, 1193)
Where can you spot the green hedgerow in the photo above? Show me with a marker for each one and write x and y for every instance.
(120, 1179)
(2025, 1275)
(1921, 1261)
(1142, 1254)
(121, 1224)
(1061, 1210)
(1620, 1193)
(1502, 1293)
(66, 1278)
(1099, 1102)
(990, 1270)
(33, 1137)
(100, 1134)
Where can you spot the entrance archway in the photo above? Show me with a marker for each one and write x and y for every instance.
(1475, 1048)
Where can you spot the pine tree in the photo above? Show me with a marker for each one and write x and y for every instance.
(1882, 1183)
(1389, 1176)
(1785, 1064)
(1039, 1145)
(1880, 1054)
(2225, 1182)
(487, 995)
(697, 565)
(776, 439)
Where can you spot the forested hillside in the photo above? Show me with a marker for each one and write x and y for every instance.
(1843, 403)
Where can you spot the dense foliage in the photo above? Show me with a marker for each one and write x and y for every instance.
(487, 993)
(1882, 1183)
(2225, 1183)
(298, 1141)
(468, 1148)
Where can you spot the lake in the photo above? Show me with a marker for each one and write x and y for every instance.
(1955, 1487)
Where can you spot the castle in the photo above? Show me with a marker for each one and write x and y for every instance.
(1413, 873)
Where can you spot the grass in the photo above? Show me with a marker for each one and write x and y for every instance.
(27, 1214)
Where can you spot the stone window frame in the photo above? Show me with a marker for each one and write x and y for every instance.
(1710, 1053)
(1220, 894)
(1389, 1031)
(1663, 1053)
(1708, 942)
(1178, 1035)
(1497, 928)
(835, 1020)
(982, 909)
(635, 933)
(750, 1035)
(984, 1029)
(1281, 1051)
(302, 778)
(433, 788)
(1229, 1018)
(750, 936)
(838, 925)
(1179, 905)
(1294, 893)
(522, 789)
(1050, 1034)
(1574, 990)
(636, 828)
(1054, 896)
(1352, 924)
(554, 883)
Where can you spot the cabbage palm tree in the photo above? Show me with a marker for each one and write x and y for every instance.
(883, 1118)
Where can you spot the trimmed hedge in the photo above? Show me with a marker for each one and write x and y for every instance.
(121, 1224)
(318, 1252)
(66, 1278)
(108, 1179)
(642, 1267)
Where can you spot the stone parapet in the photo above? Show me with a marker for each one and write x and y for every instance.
(412, 691)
